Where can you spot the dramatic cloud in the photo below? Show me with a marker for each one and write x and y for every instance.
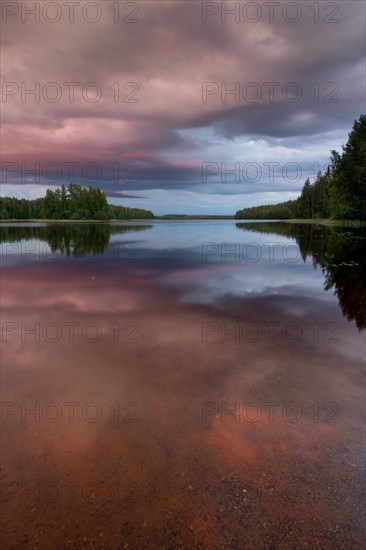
(155, 102)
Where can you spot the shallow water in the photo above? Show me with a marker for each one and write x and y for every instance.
(183, 385)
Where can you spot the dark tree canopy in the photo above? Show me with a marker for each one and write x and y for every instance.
(69, 203)
(340, 193)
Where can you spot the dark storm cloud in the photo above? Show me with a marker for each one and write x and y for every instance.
(167, 56)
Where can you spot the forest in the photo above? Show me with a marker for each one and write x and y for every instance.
(339, 193)
(73, 202)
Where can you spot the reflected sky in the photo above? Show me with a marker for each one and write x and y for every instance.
(205, 262)
(171, 335)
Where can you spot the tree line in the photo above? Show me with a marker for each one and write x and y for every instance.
(73, 202)
(339, 193)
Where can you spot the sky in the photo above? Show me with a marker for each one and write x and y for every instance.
(183, 107)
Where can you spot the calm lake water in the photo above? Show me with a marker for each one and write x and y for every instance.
(183, 385)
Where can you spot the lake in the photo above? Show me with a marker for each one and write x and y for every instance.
(183, 384)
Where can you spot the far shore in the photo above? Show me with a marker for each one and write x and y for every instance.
(178, 217)
(74, 221)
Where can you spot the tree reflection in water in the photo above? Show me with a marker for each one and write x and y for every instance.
(75, 240)
(339, 251)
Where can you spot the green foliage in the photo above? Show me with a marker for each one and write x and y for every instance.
(340, 193)
(282, 211)
(348, 185)
(124, 213)
(72, 203)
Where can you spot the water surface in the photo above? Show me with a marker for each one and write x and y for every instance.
(183, 385)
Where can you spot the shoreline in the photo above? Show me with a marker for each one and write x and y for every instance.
(74, 221)
(327, 222)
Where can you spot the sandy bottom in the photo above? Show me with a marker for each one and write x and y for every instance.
(170, 441)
